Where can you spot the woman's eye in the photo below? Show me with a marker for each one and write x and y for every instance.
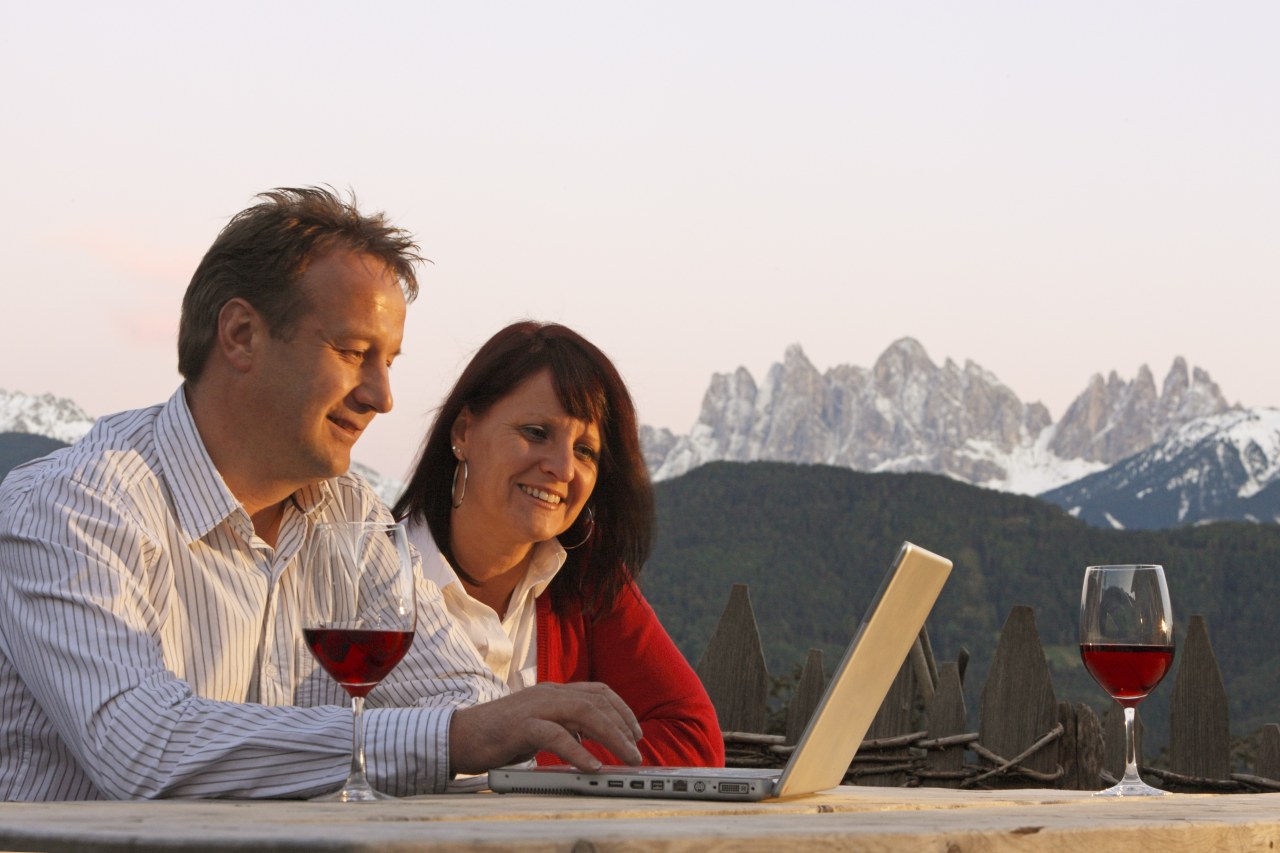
(588, 453)
(534, 433)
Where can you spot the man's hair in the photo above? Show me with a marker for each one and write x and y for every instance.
(264, 250)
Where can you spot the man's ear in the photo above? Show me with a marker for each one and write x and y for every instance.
(458, 433)
(240, 333)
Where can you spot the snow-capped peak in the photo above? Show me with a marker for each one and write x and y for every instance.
(47, 415)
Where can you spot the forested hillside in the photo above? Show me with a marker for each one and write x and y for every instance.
(813, 541)
(19, 447)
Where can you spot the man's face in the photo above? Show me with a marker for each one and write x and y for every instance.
(316, 393)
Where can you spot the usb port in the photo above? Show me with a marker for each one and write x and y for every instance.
(657, 786)
(615, 783)
(680, 785)
(637, 783)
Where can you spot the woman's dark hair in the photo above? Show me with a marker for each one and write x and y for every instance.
(590, 389)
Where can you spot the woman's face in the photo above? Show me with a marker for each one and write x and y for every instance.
(530, 466)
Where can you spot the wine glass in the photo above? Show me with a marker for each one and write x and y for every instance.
(1126, 641)
(358, 615)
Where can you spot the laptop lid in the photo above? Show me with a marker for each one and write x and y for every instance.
(871, 662)
(863, 678)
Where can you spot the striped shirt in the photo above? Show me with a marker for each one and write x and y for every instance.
(149, 640)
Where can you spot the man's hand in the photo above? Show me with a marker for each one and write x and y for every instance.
(548, 717)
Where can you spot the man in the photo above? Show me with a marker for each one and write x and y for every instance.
(149, 643)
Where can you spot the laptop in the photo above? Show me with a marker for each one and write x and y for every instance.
(826, 748)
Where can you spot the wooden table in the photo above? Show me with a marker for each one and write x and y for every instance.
(848, 818)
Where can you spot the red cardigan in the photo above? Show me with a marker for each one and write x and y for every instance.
(627, 649)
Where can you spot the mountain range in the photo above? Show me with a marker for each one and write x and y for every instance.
(1222, 467)
(906, 413)
(1125, 454)
(53, 417)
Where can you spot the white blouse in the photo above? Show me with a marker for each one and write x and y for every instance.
(508, 645)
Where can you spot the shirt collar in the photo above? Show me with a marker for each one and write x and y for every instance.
(548, 558)
(200, 495)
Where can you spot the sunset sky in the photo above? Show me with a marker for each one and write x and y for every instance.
(1051, 190)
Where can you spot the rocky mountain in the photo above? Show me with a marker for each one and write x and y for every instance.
(906, 413)
(63, 421)
(1220, 468)
(47, 415)
(1115, 419)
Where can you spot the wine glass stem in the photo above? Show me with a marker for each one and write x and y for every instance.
(357, 738)
(1130, 744)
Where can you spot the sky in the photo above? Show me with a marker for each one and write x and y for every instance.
(1051, 190)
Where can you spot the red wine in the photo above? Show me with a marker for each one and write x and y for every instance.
(357, 659)
(1128, 673)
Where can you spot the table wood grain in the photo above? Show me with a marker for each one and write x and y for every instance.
(847, 818)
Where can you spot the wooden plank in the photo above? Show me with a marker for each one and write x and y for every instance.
(926, 674)
(1082, 748)
(805, 697)
(927, 646)
(1067, 747)
(1018, 704)
(732, 668)
(947, 717)
(864, 819)
(1199, 730)
(1268, 763)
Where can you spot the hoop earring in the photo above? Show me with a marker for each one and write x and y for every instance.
(591, 529)
(455, 498)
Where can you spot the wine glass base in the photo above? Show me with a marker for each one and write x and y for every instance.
(1131, 788)
(349, 793)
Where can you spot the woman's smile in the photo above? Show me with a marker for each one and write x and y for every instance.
(541, 494)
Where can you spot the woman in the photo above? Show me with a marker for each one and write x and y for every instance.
(533, 512)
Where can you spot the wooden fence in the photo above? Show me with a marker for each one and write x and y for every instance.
(1025, 737)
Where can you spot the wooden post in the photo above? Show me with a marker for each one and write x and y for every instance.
(946, 717)
(1199, 733)
(926, 646)
(805, 697)
(1268, 764)
(733, 669)
(1018, 705)
(926, 670)
(1081, 748)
